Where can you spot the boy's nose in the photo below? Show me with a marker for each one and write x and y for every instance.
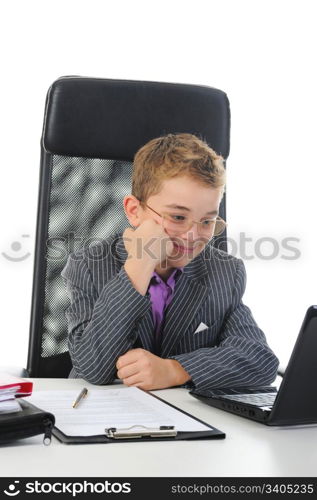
(192, 234)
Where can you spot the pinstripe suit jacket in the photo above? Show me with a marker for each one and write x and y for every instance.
(107, 317)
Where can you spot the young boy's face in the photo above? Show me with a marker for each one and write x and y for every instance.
(199, 202)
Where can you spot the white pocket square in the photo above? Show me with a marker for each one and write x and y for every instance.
(201, 327)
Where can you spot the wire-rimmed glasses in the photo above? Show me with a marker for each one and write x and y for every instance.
(179, 224)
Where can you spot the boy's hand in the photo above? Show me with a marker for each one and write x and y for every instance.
(140, 368)
(149, 242)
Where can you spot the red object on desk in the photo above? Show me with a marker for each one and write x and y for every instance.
(25, 386)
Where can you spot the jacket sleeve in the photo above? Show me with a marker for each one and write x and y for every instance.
(242, 356)
(100, 328)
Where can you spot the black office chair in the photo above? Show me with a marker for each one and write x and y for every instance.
(92, 129)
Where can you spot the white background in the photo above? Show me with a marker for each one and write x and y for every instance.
(261, 53)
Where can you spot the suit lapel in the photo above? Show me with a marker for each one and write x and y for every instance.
(189, 295)
(146, 331)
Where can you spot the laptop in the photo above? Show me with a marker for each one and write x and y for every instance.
(295, 403)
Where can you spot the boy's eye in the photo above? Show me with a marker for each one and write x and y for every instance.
(208, 222)
(178, 218)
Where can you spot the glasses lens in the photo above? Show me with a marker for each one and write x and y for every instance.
(212, 227)
(181, 224)
(220, 226)
(175, 224)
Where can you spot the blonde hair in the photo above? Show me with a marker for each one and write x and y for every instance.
(175, 155)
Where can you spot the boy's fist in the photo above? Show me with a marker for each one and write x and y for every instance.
(148, 242)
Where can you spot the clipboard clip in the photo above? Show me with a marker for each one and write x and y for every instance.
(140, 431)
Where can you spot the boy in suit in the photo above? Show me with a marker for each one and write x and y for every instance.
(158, 306)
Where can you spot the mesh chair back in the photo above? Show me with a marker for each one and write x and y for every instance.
(92, 129)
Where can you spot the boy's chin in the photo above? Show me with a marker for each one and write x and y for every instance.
(181, 260)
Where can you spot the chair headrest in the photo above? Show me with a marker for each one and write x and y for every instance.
(105, 118)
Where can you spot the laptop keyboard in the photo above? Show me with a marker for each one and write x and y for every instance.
(265, 399)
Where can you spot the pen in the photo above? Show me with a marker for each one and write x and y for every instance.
(83, 393)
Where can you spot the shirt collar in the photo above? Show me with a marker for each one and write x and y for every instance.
(171, 279)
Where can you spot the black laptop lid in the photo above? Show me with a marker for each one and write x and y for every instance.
(296, 402)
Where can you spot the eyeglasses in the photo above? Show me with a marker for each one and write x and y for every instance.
(181, 224)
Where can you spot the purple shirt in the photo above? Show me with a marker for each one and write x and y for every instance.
(161, 294)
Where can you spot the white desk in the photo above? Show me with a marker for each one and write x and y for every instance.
(250, 449)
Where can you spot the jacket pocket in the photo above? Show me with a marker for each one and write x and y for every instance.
(205, 338)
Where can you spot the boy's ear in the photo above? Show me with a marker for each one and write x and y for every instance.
(132, 209)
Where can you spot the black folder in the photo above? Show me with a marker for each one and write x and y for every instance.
(141, 434)
(28, 421)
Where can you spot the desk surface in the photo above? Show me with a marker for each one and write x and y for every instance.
(250, 449)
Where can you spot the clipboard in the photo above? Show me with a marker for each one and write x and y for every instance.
(138, 433)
